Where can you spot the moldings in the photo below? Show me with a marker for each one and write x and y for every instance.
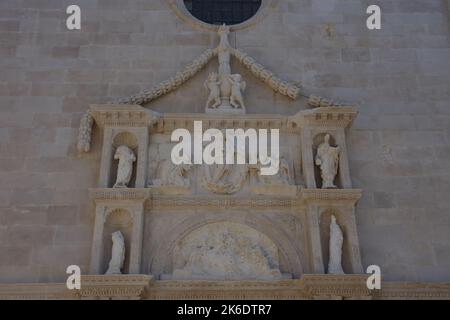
(119, 194)
(145, 287)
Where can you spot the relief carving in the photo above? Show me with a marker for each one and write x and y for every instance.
(226, 251)
(225, 89)
(224, 178)
(170, 174)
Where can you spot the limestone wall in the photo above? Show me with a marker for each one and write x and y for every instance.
(399, 145)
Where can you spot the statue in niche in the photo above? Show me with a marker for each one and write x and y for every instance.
(327, 159)
(126, 158)
(212, 84)
(237, 86)
(336, 241)
(171, 174)
(117, 254)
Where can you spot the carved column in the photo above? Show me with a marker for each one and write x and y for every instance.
(344, 170)
(107, 157)
(353, 242)
(308, 158)
(97, 240)
(315, 246)
(136, 243)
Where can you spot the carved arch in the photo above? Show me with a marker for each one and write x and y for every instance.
(291, 256)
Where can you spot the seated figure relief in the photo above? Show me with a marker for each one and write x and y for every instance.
(170, 174)
(283, 177)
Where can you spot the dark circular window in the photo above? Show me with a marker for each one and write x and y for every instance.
(223, 11)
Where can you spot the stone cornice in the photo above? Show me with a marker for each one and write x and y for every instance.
(36, 291)
(345, 286)
(317, 195)
(122, 115)
(136, 116)
(410, 290)
(114, 286)
(154, 200)
(111, 194)
(340, 117)
(309, 286)
(171, 121)
(177, 202)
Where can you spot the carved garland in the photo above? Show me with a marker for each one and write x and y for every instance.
(173, 83)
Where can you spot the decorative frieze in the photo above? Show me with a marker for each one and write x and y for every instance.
(114, 286)
(309, 286)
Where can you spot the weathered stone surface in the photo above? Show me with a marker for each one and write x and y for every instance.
(398, 147)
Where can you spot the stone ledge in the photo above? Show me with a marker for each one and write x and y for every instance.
(122, 115)
(114, 286)
(105, 194)
(173, 199)
(352, 195)
(309, 286)
(342, 116)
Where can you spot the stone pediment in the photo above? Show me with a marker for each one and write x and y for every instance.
(223, 53)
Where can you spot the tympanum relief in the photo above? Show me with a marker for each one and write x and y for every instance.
(226, 251)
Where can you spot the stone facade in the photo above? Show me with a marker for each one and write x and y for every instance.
(58, 205)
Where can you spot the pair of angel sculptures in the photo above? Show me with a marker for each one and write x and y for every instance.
(224, 88)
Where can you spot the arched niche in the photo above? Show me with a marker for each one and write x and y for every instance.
(159, 256)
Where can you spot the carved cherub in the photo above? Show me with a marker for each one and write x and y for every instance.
(212, 84)
(126, 158)
(237, 86)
